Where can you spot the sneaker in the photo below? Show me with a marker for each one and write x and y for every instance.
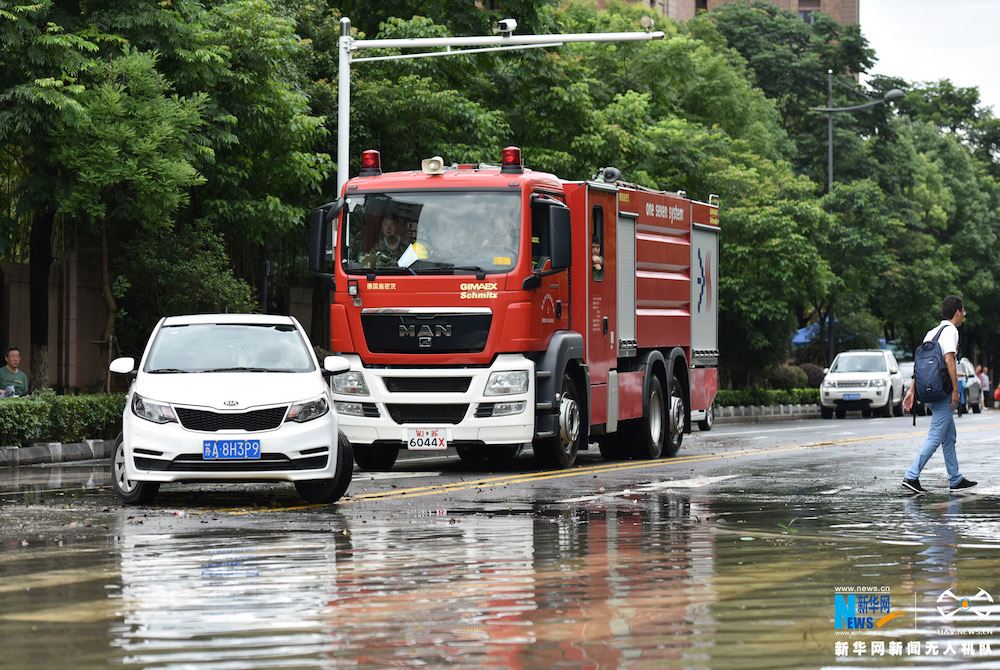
(914, 485)
(964, 484)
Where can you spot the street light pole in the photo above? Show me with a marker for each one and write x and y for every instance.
(830, 110)
(504, 41)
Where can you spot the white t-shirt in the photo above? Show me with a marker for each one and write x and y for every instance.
(948, 340)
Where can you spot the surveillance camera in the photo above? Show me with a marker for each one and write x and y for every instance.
(506, 26)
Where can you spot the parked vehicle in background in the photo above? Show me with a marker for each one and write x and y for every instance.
(972, 395)
(866, 379)
(230, 397)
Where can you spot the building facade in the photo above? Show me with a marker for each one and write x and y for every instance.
(846, 12)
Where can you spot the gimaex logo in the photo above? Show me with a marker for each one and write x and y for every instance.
(862, 611)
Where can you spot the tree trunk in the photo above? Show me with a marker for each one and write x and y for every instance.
(109, 302)
(40, 262)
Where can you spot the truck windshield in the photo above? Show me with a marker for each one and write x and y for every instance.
(433, 232)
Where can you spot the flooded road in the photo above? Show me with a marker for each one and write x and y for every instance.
(739, 553)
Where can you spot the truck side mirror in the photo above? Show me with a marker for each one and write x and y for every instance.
(560, 237)
(319, 233)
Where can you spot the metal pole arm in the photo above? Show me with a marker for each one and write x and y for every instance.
(853, 108)
(502, 40)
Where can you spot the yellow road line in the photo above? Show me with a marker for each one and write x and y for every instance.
(509, 480)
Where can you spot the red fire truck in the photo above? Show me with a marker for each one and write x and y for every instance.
(488, 307)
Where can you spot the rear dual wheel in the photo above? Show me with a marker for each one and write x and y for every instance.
(658, 433)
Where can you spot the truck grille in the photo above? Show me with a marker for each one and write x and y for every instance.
(209, 422)
(426, 333)
(427, 413)
(427, 384)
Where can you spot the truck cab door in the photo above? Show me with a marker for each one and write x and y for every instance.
(602, 348)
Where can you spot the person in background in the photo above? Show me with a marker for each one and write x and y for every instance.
(984, 381)
(13, 381)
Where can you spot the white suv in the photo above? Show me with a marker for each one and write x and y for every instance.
(868, 380)
(227, 398)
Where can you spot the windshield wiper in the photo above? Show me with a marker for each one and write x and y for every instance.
(168, 371)
(452, 269)
(237, 370)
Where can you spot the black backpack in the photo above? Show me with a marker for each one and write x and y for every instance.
(931, 378)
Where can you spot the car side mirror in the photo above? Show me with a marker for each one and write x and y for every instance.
(336, 364)
(122, 366)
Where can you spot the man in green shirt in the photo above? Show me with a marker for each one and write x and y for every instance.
(12, 380)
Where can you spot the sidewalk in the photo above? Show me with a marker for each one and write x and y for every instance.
(55, 452)
(765, 413)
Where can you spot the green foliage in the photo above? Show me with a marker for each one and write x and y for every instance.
(814, 374)
(766, 397)
(46, 417)
(785, 377)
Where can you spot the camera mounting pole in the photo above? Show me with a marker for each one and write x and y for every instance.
(506, 40)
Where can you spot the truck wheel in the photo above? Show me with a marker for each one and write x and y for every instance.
(826, 412)
(706, 424)
(375, 457)
(676, 411)
(560, 451)
(330, 490)
(611, 445)
(646, 436)
(502, 455)
(128, 491)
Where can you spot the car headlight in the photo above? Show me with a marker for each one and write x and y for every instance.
(877, 382)
(828, 384)
(351, 382)
(301, 412)
(149, 410)
(503, 382)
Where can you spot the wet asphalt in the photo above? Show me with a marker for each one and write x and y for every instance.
(728, 555)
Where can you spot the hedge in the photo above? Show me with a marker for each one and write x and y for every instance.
(47, 417)
(740, 397)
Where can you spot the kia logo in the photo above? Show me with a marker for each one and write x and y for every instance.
(231, 403)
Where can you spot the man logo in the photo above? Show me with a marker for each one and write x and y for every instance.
(949, 604)
(425, 331)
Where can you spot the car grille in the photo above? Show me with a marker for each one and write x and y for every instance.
(427, 384)
(267, 463)
(209, 422)
(427, 413)
(852, 383)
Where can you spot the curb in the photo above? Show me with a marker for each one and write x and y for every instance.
(55, 452)
(765, 413)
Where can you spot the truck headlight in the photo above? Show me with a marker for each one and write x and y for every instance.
(301, 412)
(504, 382)
(150, 410)
(877, 382)
(351, 382)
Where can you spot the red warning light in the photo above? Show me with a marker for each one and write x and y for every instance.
(371, 163)
(511, 160)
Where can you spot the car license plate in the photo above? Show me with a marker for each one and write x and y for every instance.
(230, 450)
(852, 396)
(426, 438)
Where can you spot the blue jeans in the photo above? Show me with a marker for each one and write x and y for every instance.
(941, 434)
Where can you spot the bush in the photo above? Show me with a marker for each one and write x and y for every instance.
(786, 377)
(47, 417)
(745, 397)
(814, 374)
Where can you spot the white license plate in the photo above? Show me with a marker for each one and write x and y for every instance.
(852, 396)
(426, 438)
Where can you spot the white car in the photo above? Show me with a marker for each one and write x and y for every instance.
(230, 397)
(867, 379)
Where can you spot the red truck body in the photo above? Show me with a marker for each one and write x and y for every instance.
(637, 303)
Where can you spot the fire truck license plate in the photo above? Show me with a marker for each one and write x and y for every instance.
(426, 438)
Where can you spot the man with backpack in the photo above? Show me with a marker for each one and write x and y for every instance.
(935, 383)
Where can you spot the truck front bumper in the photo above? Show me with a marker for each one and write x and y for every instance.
(402, 399)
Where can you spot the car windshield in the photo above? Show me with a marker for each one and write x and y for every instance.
(229, 347)
(859, 363)
(431, 232)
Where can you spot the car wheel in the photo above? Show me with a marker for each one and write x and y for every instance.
(129, 491)
(375, 457)
(706, 424)
(330, 490)
(886, 411)
(561, 451)
(841, 413)
(482, 456)
(897, 409)
(826, 412)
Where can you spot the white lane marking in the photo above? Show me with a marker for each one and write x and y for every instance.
(721, 433)
(692, 483)
(369, 476)
(834, 491)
